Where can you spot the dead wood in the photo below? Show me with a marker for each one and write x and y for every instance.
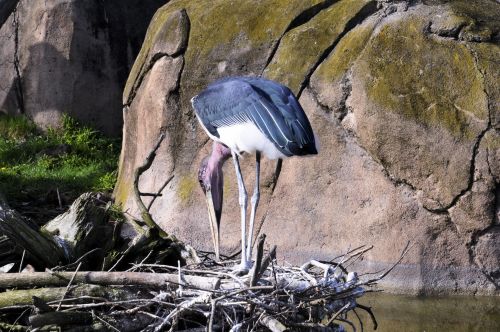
(42, 249)
(272, 324)
(153, 280)
(22, 298)
(83, 227)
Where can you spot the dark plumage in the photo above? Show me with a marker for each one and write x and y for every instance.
(270, 106)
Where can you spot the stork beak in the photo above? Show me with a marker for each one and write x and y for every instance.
(214, 218)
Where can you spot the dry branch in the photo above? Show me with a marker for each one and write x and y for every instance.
(153, 280)
(41, 248)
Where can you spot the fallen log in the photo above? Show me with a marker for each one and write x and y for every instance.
(83, 227)
(16, 298)
(42, 249)
(153, 280)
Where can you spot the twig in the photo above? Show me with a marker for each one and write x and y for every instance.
(212, 315)
(118, 261)
(370, 312)
(18, 318)
(337, 314)
(69, 285)
(22, 261)
(70, 265)
(359, 320)
(103, 321)
(403, 254)
(59, 198)
(255, 273)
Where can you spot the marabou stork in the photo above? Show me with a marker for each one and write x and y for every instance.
(247, 115)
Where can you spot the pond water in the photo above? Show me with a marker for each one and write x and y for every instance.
(429, 314)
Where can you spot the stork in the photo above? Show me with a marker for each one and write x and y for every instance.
(247, 115)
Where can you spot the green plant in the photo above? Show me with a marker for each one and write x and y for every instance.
(16, 127)
(71, 159)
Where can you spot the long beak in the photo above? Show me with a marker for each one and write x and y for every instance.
(214, 223)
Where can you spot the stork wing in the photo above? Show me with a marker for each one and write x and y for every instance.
(269, 105)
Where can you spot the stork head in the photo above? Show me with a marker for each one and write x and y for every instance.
(211, 181)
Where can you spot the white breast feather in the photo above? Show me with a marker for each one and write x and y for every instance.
(246, 137)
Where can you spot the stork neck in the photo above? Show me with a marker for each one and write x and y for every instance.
(219, 155)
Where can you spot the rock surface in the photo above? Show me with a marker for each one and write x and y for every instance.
(68, 56)
(404, 99)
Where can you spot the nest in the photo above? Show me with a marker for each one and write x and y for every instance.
(208, 296)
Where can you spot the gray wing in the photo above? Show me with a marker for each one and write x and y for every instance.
(270, 106)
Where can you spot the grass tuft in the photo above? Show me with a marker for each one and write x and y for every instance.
(71, 160)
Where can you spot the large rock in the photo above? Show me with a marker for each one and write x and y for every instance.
(69, 56)
(404, 100)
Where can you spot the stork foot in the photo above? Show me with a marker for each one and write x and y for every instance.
(242, 269)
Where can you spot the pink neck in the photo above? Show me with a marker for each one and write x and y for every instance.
(219, 155)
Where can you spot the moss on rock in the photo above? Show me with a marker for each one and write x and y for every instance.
(302, 47)
(433, 81)
(345, 53)
(185, 188)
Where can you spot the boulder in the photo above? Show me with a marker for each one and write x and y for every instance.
(404, 99)
(68, 56)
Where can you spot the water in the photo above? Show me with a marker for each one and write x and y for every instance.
(430, 314)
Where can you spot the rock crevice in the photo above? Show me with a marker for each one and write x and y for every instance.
(18, 79)
(302, 18)
(366, 11)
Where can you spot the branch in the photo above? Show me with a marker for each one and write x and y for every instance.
(272, 323)
(255, 272)
(370, 312)
(156, 280)
(16, 298)
(41, 247)
(403, 254)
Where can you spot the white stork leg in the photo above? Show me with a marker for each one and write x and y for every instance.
(245, 264)
(255, 203)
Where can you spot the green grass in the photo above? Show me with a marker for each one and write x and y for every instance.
(72, 159)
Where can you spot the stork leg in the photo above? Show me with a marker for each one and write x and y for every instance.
(245, 264)
(255, 202)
